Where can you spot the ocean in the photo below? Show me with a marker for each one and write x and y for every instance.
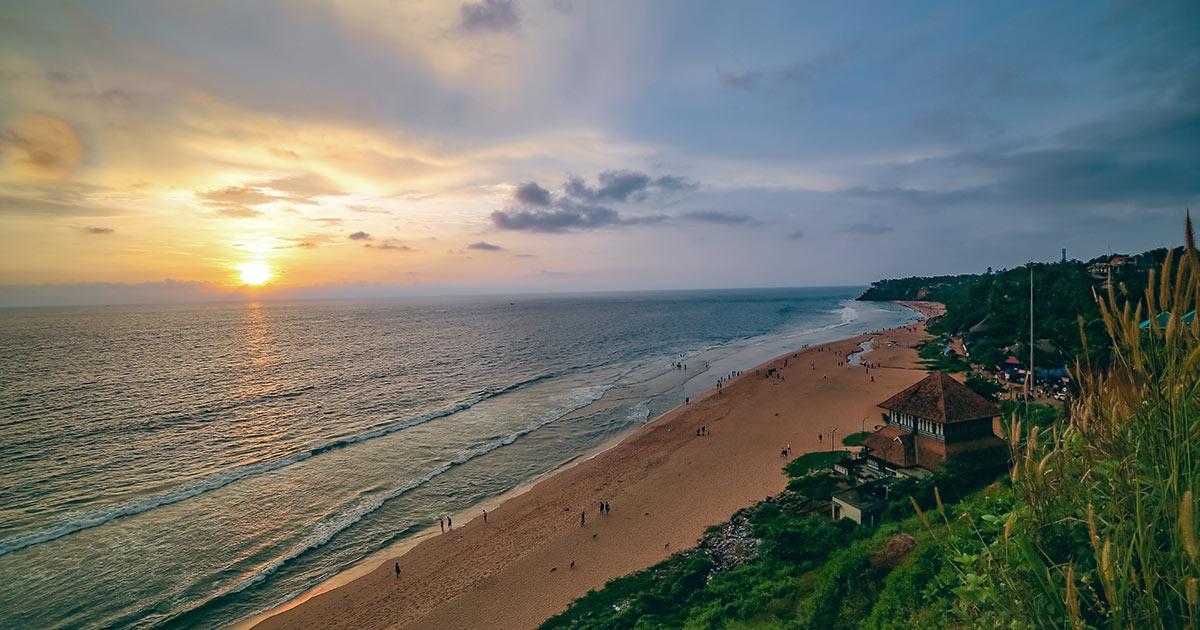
(191, 465)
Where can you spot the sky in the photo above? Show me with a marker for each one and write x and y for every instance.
(168, 151)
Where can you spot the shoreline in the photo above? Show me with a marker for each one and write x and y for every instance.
(333, 602)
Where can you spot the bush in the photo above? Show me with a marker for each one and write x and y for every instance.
(983, 386)
(814, 461)
(1103, 529)
(855, 439)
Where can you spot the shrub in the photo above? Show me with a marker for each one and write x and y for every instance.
(1103, 531)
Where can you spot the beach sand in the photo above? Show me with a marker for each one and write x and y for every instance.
(665, 485)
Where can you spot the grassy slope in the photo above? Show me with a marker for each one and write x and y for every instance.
(810, 571)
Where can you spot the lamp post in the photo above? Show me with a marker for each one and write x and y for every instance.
(832, 438)
(864, 425)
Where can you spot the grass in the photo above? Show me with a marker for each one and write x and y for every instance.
(1103, 532)
(810, 571)
(813, 461)
(855, 439)
(930, 353)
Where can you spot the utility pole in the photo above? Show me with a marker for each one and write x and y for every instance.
(1029, 382)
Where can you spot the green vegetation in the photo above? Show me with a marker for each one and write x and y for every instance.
(1103, 530)
(814, 461)
(983, 386)
(855, 439)
(934, 359)
(992, 309)
(1094, 526)
(808, 571)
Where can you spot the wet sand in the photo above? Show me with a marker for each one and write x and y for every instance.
(665, 485)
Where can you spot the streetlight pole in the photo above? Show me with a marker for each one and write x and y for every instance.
(832, 436)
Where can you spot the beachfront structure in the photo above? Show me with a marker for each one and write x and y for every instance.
(861, 504)
(933, 421)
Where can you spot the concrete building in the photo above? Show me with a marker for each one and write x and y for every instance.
(862, 504)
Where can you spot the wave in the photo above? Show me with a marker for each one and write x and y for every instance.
(326, 529)
(224, 478)
(848, 315)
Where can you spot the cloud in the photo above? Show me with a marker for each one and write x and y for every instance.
(366, 209)
(329, 221)
(670, 183)
(567, 216)
(238, 212)
(744, 80)
(485, 246)
(93, 229)
(1140, 157)
(489, 16)
(797, 235)
(866, 229)
(302, 188)
(239, 200)
(43, 144)
(360, 236)
(577, 217)
(235, 201)
(580, 207)
(614, 186)
(719, 218)
(60, 203)
(796, 75)
(390, 245)
(308, 241)
(240, 195)
(531, 194)
(619, 185)
(623, 184)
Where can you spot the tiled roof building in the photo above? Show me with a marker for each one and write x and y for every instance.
(935, 420)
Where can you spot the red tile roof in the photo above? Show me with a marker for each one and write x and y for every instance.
(883, 445)
(940, 398)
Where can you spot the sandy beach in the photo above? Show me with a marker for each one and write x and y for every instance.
(665, 485)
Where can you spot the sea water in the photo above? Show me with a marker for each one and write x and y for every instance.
(192, 465)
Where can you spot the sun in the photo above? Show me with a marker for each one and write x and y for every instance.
(255, 273)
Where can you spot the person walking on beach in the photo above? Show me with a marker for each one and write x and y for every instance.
(442, 523)
(397, 569)
(583, 518)
(485, 517)
(449, 523)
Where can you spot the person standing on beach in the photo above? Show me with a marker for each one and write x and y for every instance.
(485, 517)
(449, 523)
(442, 523)
(583, 518)
(397, 569)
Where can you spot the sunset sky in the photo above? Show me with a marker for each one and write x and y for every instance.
(156, 149)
